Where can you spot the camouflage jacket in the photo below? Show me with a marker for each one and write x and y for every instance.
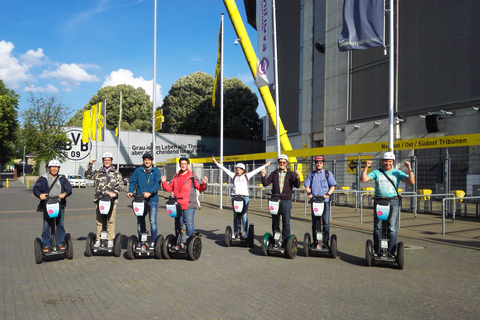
(105, 182)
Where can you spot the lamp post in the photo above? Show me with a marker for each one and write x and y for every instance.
(24, 164)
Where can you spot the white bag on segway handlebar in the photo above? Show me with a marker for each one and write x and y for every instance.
(318, 207)
(139, 207)
(238, 205)
(174, 208)
(383, 209)
(104, 205)
(52, 207)
(274, 206)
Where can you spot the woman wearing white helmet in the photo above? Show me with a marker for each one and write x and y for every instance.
(385, 189)
(53, 184)
(108, 181)
(240, 188)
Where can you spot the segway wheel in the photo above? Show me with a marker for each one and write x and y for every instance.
(400, 255)
(167, 244)
(194, 249)
(158, 247)
(228, 236)
(89, 244)
(117, 245)
(38, 250)
(306, 244)
(251, 235)
(291, 249)
(333, 246)
(131, 244)
(266, 243)
(368, 253)
(69, 242)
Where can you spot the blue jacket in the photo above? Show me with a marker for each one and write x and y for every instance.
(41, 186)
(147, 181)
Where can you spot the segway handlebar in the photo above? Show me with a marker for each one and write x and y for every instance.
(173, 198)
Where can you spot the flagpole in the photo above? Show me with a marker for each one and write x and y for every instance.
(221, 115)
(391, 97)
(119, 128)
(154, 81)
(277, 102)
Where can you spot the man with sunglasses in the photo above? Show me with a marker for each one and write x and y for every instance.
(283, 180)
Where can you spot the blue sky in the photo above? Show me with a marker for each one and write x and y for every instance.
(74, 48)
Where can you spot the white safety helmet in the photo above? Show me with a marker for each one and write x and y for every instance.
(107, 155)
(388, 156)
(283, 156)
(240, 165)
(54, 163)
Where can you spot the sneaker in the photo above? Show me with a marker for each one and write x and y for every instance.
(97, 243)
(234, 235)
(110, 244)
(391, 256)
(152, 245)
(245, 235)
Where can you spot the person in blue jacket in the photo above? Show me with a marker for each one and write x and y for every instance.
(61, 189)
(146, 181)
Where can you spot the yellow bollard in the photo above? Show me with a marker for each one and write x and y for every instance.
(28, 183)
(79, 184)
(7, 183)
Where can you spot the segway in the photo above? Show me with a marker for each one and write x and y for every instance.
(383, 209)
(318, 245)
(52, 210)
(239, 207)
(273, 243)
(104, 207)
(173, 244)
(140, 209)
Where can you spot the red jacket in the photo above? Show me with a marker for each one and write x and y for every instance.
(183, 186)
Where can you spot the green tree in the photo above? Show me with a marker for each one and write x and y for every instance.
(188, 108)
(43, 126)
(8, 122)
(136, 108)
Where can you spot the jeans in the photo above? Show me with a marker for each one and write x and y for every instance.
(391, 232)
(287, 207)
(244, 217)
(325, 221)
(187, 219)
(152, 213)
(59, 231)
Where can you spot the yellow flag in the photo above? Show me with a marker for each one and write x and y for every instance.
(101, 122)
(93, 123)
(117, 130)
(86, 126)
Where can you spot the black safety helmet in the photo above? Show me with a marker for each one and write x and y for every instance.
(184, 158)
(147, 155)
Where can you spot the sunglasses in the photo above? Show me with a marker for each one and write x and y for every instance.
(282, 162)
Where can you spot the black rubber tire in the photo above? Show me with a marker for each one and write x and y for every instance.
(266, 243)
(169, 241)
(69, 242)
(333, 246)
(251, 236)
(117, 245)
(131, 244)
(400, 255)
(37, 243)
(228, 236)
(194, 249)
(158, 246)
(291, 248)
(89, 244)
(307, 241)
(368, 253)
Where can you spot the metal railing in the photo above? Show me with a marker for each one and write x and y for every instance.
(444, 211)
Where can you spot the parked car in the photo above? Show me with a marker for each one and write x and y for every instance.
(75, 180)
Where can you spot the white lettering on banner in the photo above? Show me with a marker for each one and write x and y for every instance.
(173, 149)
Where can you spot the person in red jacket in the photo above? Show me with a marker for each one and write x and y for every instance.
(183, 186)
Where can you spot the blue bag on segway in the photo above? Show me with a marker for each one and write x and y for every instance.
(238, 204)
(318, 206)
(52, 207)
(174, 208)
(383, 208)
(105, 205)
(139, 206)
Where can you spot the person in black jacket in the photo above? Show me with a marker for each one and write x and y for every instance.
(283, 180)
(61, 189)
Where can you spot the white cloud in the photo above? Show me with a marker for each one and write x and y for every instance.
(12, 71)
(33, 58)
(70, 75)
(124, 76)
(48, 89)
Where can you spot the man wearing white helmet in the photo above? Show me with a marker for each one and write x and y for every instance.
(108, 181)
(240, 188)
(53, 184)
(385, 189)
(283, 180)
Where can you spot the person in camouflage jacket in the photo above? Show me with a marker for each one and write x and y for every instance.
(108, 181)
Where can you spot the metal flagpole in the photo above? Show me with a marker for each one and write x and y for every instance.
(154, 81)
(391, 98)
(277, 103)
(119, 129)
(221, 116)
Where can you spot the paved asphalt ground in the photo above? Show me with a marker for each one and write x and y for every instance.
(441, 278)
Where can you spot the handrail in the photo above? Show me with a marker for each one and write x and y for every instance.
(453, 214)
